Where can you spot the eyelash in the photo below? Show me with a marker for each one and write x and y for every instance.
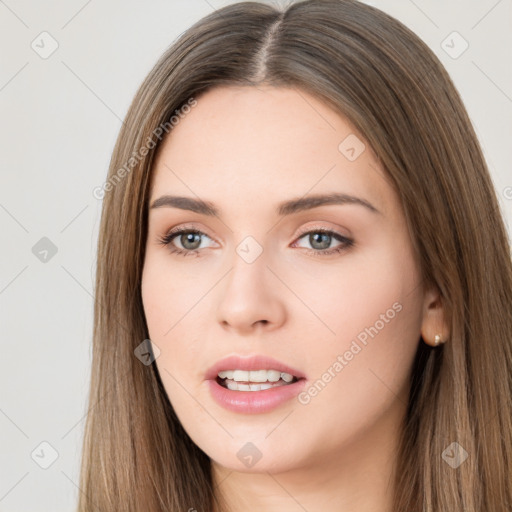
(169, 237)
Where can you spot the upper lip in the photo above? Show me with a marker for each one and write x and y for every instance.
(255, 362)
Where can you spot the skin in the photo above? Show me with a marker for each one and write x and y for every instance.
(246, 149)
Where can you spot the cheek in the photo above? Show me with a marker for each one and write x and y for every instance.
(155, 300)
(351, 294)
(171, 304)
(168, 295)
(361, 369)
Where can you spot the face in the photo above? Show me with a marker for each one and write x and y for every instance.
(331, 290)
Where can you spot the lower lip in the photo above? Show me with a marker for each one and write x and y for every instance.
(254, 402)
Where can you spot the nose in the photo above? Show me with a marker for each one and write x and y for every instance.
(251, 297)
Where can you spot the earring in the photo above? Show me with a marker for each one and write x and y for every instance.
(438, 340)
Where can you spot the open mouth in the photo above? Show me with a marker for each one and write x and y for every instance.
(234, 383)
(254, 391)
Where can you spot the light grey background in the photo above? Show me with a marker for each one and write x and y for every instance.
(60, 117)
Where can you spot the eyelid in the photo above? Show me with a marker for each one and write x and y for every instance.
(322, 227)
(188, 227)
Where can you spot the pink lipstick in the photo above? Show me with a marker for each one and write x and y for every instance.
(254, 384)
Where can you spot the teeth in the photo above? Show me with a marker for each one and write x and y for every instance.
(255, 375)
(254, 380)
(236, 386)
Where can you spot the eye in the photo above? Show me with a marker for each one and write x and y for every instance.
(190, 240)
(320, 239)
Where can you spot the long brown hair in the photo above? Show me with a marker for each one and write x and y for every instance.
(372, 69)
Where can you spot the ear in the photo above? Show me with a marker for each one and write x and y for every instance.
(434, 322)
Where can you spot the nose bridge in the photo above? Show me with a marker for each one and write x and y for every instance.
(248, 295)
(250, 250)
(248, 268)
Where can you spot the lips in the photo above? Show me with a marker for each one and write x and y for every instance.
(256, 362)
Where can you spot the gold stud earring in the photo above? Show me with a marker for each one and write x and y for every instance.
(438, 340)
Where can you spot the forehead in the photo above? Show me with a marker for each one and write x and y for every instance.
(248, 146)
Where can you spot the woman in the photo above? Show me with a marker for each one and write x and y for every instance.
(340, 336)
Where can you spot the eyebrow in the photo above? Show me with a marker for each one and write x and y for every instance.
(286, 208)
